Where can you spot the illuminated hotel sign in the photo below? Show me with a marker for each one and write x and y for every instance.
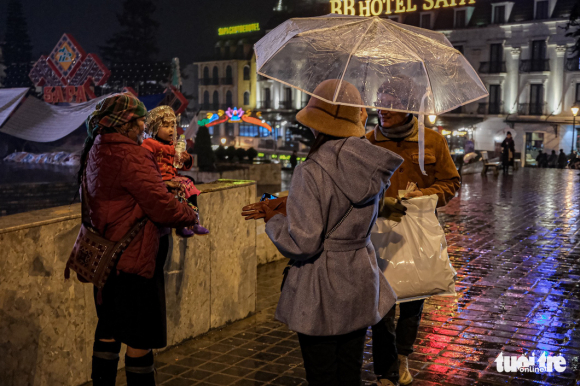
(239, 29)
(388, 7)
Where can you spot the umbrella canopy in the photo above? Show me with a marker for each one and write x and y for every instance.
(418, 68)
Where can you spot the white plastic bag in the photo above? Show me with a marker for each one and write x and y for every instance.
(413, 253)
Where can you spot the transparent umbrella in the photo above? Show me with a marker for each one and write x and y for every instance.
(419, 67)
(394, 66)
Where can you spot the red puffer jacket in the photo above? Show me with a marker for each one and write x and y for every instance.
(164, 154)
(124, 185)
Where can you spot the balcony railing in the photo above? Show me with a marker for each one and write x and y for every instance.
(492, 67)
(573, 64)
(490, 108)
(535, 65)
(227, 81)
(265, 105)
(206, 106)
(205, 81)
(532, 109)
(286, 105)
(215, 81)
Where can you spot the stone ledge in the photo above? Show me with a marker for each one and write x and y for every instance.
(41, 217)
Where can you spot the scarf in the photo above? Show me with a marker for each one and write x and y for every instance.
(398, 132)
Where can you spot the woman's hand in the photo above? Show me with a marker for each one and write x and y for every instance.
(265, 209)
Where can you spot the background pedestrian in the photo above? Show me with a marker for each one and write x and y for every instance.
(507, 153)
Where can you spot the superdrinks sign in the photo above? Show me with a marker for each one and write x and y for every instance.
(239, 29)
(389, 7)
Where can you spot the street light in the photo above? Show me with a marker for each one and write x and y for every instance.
(432, 119)
(223, 141)
(575, 112)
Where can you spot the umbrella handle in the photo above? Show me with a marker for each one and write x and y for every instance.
(421, 119)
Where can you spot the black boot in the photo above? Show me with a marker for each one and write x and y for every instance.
(140, 371)
(105, 361)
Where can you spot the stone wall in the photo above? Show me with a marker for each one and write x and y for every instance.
(263, 174)
(47, 324)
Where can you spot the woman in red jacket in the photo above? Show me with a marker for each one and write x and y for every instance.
(124, 185)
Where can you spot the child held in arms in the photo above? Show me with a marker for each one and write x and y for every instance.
(160, 125)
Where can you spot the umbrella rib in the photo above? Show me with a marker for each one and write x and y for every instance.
(348, 61)
(422, 62)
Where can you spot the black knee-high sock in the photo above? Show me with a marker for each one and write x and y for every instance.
(140, 371)
(105, 361)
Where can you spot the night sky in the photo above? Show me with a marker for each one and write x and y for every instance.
(188, 28)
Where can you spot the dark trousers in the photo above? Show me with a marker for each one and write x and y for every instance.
(333, 360)
(389, 341)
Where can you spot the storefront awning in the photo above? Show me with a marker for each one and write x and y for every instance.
(9, 100)
(38, 121)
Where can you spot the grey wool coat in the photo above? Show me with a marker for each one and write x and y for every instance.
(335, 286)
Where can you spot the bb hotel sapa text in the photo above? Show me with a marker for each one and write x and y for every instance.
(387, 7)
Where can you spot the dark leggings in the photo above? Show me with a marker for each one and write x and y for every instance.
(389, 341)
(333, 360)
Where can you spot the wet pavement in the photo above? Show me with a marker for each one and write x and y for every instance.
(514, 242)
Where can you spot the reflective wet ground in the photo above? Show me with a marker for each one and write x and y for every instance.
(514, 241)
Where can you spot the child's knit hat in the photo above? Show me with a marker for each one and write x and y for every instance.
(159, 116)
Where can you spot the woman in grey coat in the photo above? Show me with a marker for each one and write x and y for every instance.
(334, 290)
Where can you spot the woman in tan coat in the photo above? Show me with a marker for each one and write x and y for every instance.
(399, 133)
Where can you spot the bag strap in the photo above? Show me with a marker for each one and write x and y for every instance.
(339, 223)
(85, 213)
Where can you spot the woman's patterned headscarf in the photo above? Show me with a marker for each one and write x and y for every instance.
(114, 112)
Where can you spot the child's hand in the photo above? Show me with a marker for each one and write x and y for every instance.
(173, 186)
(185, 157)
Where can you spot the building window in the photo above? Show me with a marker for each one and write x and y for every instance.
(460, 49)
(426, 20)
(246, 72)
(216, 101)
(538, 50)
(229, 76)
(206, 75)
(542, 10)
(498, 14)
(460, 18)
(495, 58)
(577, 93)
(215, 76)
(253, 131)
(267, 102)
(229, 101)
(246, 98)
(206, 100)
(494, 99)
(536, 99)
